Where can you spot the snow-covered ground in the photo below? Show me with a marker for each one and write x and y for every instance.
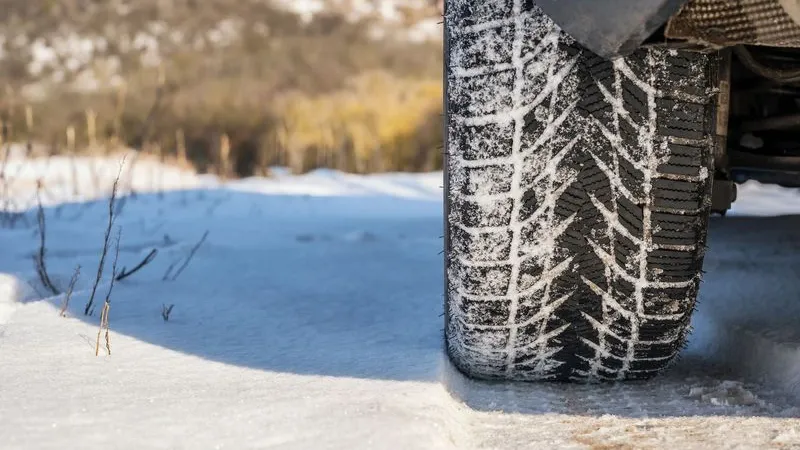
(310, 318)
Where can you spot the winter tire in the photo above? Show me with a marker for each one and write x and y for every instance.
(578, 195)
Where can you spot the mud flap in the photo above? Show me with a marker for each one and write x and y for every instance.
(610, 28)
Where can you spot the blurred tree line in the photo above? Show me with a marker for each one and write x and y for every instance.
(227, 85)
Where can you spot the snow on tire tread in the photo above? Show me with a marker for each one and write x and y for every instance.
(575, 228)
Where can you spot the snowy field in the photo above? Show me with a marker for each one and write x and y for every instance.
(309, 318)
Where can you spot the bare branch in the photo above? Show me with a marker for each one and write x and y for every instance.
(165, 311)
(88, 309)
(108, 334)
(114, 266)
(190, 256)
(169, 270)
(70, 288)
(41, 268)
(147, 260)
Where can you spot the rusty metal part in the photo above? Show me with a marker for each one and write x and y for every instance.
(723, 23)
(723, 75)
(723, 191)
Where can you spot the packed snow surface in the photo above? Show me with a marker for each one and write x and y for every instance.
(309, 318)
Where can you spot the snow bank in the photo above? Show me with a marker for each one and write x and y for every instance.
(11, 293)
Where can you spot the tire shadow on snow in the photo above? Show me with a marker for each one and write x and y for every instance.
(361, 299)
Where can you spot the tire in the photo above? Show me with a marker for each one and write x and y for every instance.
(578, 196)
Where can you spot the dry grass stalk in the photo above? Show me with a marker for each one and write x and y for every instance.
(28, 127)
(180, 148)
(224, 156)
(107, 303)
(71, 139)
(103, 325)
(70, 289)
(91, 127)
(119, 109)
(28, 119)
